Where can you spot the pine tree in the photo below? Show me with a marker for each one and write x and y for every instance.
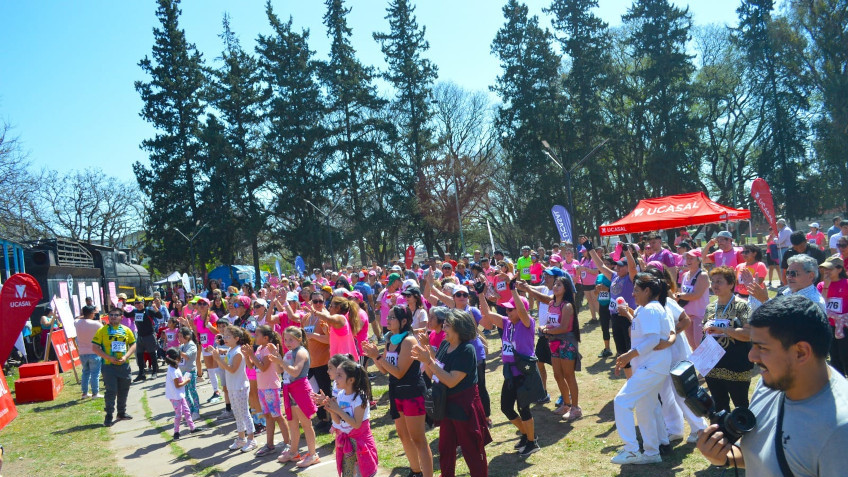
(295, 115)
(531, 112)
(355, 124)
(412, 76)
(173, 105)
(236, 93)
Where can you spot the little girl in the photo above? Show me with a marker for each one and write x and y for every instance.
(356, 451)
(268, 381)
(188, 366)
(238, 388)
(174, 392)
(170, 334)
(296, 397)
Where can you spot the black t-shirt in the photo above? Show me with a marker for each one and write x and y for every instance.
(463, 359)
(145, 320)
(812, 250)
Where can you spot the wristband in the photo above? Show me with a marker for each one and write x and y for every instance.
(379, 357)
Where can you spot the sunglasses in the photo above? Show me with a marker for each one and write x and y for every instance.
(844, 245)
(202, 303)
(256, 307)
(461, 295)
(317, 301)
(792, 273)
(114, 315)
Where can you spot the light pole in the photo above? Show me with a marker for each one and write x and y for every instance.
(191, 251)
(551, 154)
(329, 230)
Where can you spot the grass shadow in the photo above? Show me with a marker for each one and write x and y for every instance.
(85, 427)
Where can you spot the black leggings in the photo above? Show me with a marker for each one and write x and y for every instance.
(604, 313)
(481, 388)
(724, 390)
(322, 377)
(621, 334)
(509, 400)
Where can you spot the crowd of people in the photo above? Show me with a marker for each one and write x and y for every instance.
(295, 353)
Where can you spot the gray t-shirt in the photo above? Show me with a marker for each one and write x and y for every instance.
(188, 364)
(815, 432)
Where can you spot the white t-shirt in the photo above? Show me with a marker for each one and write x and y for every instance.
(835, 238)
(349, 403)
(680, 350)
(172, 392)
(419, 319)
(649, 323)
(543, 308)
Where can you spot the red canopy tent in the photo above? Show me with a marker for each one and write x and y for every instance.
(674, 211)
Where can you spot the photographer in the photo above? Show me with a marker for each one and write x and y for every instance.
(799, 403)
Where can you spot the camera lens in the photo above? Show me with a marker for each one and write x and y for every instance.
(737, 423)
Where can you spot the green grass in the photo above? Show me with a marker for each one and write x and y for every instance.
(62, 437)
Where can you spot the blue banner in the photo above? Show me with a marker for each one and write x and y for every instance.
(279, 270)
(300, 265)
(562, 219)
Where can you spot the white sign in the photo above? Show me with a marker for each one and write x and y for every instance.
(706, 355)
(63, 309)
(97, 296)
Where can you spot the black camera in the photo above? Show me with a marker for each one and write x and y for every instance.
(733, 424)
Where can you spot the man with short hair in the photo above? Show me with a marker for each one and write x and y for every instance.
(800, 246)
(662, 255)
(145, 322)
(799, 403)
(843, 226)
(834, 229)
(115, 343)
(523, 264)
(801, 273)
(478, 255)
(782, 239)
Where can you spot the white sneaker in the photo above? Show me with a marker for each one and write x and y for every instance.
(675, 437)
(195, 416)
(650, 459)
(225, 414)
(249, 446)
(693, 438)
(237, 444)
(627, 457)
(97, 396)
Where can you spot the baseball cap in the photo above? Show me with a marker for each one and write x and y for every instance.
(392, 278)
(695, 252)
(306, 283)
(412, 290)
(656, 264)
(621, 263)
(833, 262)
(460, 288)
(554, 271)
(556, 258)
(511, 303)
(447, 265)
(396, 268)
(122, 296)
(357, 295)
(725, 234)
(372, 273)
(292, 296)
(408, 283)
(815, 225)
(261, 302)
(327, 288)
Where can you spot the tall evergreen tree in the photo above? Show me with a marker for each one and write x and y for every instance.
(295, 114)
(412, 75)
(355, 125)
(773, 54)
(585, 41)
(173, 105)
(664, 70)
(236, 93)
(531, 112)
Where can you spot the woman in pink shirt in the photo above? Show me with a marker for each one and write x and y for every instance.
(834, 289)
(756, 269)
(343, 318)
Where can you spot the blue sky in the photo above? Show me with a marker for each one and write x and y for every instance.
(67, 68)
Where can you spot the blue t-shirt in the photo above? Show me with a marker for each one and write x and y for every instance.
(363, 288)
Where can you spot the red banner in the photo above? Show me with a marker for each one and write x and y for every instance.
(410, 256)
(761, 193)
(18, 297)
(66, 351)
(8, 412)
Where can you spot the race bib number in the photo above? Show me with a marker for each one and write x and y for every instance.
(525, 271)
(309, 329)
(534, 277)
(553, 319)
(687, 288)
(603, 296)
(501, 286)
(392, 358)
(204, 339)
(139, 317)
(119, 347)
(170, 336)
(811, 241)
(508, 349)
(583, 274)
(439, 364)
(613, 307)
(719, 323)
(834, 304)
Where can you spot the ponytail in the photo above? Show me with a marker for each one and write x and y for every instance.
(361, 384)
(298, 334)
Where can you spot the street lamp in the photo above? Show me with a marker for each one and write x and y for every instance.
(327, 216)
(191, 251)
(552, 155)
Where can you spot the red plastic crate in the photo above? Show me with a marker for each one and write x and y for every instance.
(42, 388)
(34, 370)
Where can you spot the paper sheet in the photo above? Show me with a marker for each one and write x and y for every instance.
(706, 355)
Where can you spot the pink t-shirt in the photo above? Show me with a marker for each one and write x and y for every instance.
(568, 266)
(385, 307)
(270, 378)
(727, 259)
(341, 341)
(171, 340)
(817, 239)
(536, 271)
(362, 334)
(436, 338)
(758, 270)
(204, 334)
(502, 288)
(586, 277)
(837, 298)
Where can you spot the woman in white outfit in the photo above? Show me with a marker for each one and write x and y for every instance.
(649, 326)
